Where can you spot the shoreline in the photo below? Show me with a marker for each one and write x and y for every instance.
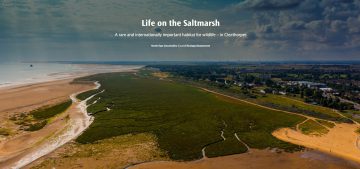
(30, 96)
(87, 71)
(73, 129)
(24, 147)
(308, 158)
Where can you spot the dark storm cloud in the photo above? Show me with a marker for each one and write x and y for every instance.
(206, 4)
(269, 4)
(76, 30)
(72, 29)
(306, 24)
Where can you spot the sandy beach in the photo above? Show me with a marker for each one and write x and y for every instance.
(22, 147)
(258, 159)
(27, 98)
(342, 140)
(33, 96)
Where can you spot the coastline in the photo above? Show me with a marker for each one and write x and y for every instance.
(74, 127)
(21, 148)
(86, 70)
(25, 156)
(16, 149)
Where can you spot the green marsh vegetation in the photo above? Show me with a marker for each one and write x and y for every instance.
(83, 96)
(37, 119)
(48, 112)
(184, 119)
(227, 147)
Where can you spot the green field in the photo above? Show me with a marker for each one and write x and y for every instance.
(311, 127)
(283, 102)
(353, 114)
(39, 118)
(223, 146)
(184, 119)
(48, 112)
(326, 123)
(293, 105)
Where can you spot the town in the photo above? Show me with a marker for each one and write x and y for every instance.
(334, 86)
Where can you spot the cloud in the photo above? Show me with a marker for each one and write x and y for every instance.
(83, 29)
(269, 4)
(68, 29)
(293, 24)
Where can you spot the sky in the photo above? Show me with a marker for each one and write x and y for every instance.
(73, 30)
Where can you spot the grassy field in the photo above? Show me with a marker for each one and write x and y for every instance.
(311, 127)
(282, 102)
(223, 146)
(83, 96)
(38, 119)
(183, 118)
(353, 114)
(326, 123)
(48, 112)
(285, 103)
(111, 153)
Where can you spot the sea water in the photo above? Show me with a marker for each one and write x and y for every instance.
(15, 73)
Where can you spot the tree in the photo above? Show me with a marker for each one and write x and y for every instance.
(269, 83)
(249, 78)
(308, 92)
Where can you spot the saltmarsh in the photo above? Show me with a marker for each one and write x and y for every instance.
(184, 119)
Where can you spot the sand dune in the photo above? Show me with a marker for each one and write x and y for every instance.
(342, 140)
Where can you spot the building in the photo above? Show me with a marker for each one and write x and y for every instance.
(326, 89)
(308, 84)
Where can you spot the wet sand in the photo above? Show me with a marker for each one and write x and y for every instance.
(20, 99)
(258, 159)
(22, 147)
(29, 97)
